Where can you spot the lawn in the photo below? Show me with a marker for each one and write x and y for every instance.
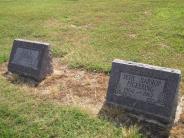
(24, 115)
(85, 34)
(91, 34)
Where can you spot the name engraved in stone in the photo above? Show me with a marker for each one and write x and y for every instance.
(141, 88)
(26, 57)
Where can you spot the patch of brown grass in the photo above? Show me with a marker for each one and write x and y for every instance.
(68, 86)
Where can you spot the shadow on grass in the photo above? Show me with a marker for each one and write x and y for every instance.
(124, 118)
(20, 80)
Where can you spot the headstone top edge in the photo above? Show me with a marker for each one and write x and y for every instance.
(29, 41)
(153, 67)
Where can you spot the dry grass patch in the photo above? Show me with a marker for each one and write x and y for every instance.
(67, 86)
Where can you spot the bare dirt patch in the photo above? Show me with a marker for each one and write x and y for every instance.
(67, 86)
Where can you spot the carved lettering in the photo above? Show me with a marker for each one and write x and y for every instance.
(140, 88)
(26, 58)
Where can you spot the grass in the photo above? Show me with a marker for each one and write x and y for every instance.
(91, 34)
(22, 115)
(86, 34)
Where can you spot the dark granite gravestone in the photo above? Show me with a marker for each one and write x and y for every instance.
(30, 59)
(144, 90)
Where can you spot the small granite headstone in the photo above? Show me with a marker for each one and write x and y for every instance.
(145, 90)
(30, 59)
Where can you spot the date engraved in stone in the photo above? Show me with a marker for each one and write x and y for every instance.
(141, 88)
(26, 57)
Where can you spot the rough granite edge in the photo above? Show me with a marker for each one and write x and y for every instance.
(179, 109)
(29, 41)
(131, 63)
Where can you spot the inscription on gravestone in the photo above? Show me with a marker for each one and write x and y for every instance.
(141, 88)
(145, 90)
(26, 57)
(31, 59)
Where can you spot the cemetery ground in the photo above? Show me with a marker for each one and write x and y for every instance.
(86, 35)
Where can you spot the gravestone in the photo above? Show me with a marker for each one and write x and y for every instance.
(30, 59)
(146, 91)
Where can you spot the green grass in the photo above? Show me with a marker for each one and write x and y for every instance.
(26, 116)
(86, 34)
(91, 33)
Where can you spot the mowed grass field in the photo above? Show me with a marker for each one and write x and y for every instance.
(25, 116)
(84, 34)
